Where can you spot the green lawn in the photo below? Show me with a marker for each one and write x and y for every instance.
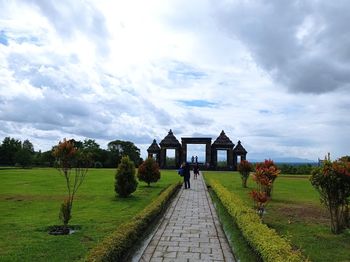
(296, 213)
(30, 200)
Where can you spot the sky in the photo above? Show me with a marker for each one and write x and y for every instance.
(272, 74)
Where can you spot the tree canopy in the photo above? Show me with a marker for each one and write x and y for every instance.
(14, 151)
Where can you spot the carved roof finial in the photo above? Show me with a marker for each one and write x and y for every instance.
(153, 147)
(223, 140)
(239, 148)
(170, 140)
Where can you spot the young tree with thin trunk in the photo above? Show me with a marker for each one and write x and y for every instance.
(72, 163)
(244, 168)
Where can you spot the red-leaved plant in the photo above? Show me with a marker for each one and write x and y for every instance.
(260, 199)
(264, 176)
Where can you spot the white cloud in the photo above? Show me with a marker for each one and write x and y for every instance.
(117, 70)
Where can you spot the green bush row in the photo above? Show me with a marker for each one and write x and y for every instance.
(117, 245)
(269, 245)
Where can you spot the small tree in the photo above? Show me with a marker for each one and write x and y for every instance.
(72, 164)
(125, 179)
(264, 176)
(149, 171)
(260, 200)
(332, 181)
(244, 168)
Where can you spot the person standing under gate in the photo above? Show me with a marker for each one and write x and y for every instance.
(187, 175)
(195, 171)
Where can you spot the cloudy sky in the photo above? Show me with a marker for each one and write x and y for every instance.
(273, 74)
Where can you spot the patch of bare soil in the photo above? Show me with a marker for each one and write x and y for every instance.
(303, 212)
(18, 197)
(61, 230)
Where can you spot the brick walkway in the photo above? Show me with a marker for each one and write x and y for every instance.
(190, 230)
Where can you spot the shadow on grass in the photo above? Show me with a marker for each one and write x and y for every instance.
(130, 198)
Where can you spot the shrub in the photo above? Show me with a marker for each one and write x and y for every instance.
(260, 199)
(149, 171)
(264, 176)
(332, 181)
(125, 180)
(268, 244)
(116, 246)
(244, 168)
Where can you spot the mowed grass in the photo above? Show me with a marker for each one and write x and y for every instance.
(30, 200)
(296, 213)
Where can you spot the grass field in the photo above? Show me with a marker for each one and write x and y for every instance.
(30, 200)
(296, 213)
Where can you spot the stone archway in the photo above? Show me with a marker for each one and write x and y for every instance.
(222, 142)
(197, 140)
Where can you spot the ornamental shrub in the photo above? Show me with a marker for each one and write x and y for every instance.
(264, 176)
(332, 181)
(260, 199)
(268, 244)
(117, 246)
(125, 179)
(149, 171)
(244, 168)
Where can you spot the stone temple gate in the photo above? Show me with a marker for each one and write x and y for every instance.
(222, 143)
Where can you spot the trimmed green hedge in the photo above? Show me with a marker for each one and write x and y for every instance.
(264, 240)
(116, 246)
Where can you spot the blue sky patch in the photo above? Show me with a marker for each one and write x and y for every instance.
(264, 111)
(197, 103)
(182, 71)
(27, 39)
(3, 38)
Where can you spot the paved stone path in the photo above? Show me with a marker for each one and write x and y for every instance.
(190, 230)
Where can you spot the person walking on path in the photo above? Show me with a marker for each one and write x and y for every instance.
(187, 175)
(196, 171)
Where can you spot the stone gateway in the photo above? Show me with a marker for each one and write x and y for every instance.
(234, 154)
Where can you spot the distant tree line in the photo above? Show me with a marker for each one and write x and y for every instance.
(293, 168)
(14, 152)
(299, 169)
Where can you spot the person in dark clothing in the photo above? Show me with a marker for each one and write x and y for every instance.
(187, 175)
(196, 171)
